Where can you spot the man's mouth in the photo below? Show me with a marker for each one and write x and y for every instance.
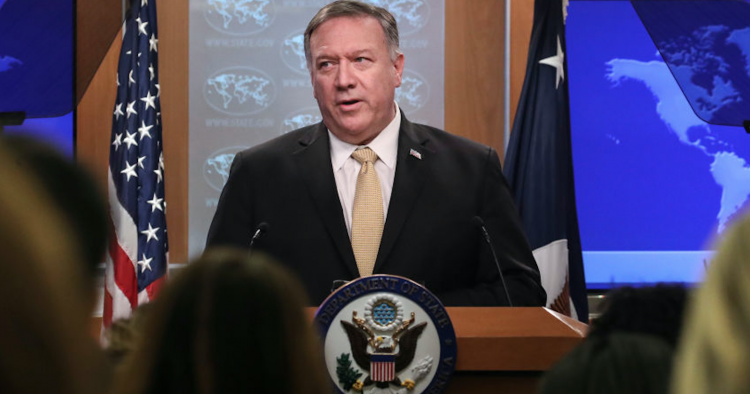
(348, 103)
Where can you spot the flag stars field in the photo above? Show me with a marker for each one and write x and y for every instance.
(144, 130)
(150, 233)
(129, 170)
(145, 263)
(142, 27)
(130, 140)
(152, 43)
(131, 109)
(149, 100)
(118, 111)
(155, 203)
(117, 141)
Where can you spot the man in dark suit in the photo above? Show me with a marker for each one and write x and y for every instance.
(368, 192)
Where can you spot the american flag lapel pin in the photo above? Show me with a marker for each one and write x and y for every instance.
(415, 154)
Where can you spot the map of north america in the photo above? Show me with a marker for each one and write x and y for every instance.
(692, 57)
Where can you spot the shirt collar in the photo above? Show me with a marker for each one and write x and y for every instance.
(385, 145)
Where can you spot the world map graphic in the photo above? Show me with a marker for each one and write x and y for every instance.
(699, 61)
(661, 161)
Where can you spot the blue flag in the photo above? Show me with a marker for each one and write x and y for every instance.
(539, 166)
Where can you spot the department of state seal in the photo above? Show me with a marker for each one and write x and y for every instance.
(386, 334)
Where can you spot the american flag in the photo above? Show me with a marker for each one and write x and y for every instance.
(138, 251)
(382, 367)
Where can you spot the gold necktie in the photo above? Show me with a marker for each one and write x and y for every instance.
(367, 213)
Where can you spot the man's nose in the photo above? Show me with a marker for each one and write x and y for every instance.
(345, 78)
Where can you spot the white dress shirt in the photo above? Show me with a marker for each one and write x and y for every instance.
(346, 168)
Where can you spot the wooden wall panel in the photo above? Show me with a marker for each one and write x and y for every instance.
(97, 23)
(173, 77)
(474, 70)
(94, 117)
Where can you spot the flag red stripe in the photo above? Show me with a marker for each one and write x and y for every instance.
(154, 288)
(125, 277)
(382, 371)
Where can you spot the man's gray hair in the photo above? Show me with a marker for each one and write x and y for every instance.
(356, 9)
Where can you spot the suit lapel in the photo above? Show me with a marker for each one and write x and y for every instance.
(314, 163)
(412, 168)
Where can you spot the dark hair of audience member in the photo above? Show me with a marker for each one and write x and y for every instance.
(618, 363)
(228, 323)
(74, 193)
(714, 352)
(656, 310)
(45, 343)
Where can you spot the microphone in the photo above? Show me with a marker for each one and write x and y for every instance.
(260, 231)
(480, 223)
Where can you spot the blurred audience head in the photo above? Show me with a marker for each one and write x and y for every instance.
(656, 310)
(74, 193)
(714, 353)
(228, 323)
(618, 363)
(629, 347)
(45, 343)
(123, 335)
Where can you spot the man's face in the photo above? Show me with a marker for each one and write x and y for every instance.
(354, 78)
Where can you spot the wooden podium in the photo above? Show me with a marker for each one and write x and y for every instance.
(506, 350)
(500, 350)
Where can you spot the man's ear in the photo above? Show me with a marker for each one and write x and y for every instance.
(399, 68)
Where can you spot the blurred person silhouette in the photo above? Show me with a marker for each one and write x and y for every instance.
(44, 335)
(621, 362)
(73, 191)
(629, 347)
(227, 323)
(123, 335)
(714, 353)
(656, 310)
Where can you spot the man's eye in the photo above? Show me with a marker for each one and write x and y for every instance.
(324, 64)
(360, 59)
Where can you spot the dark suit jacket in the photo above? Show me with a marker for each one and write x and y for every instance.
(428, 237)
